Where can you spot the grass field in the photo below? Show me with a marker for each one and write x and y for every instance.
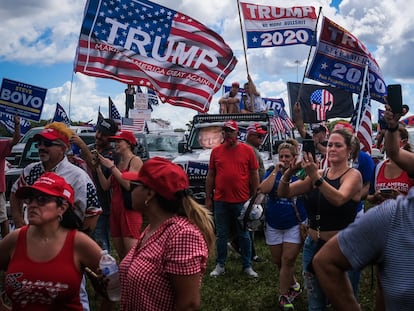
(233, 291)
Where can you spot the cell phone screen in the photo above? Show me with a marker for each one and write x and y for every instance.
(394, 97)
(308, 145)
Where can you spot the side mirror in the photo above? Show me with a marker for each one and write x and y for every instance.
(182, 147)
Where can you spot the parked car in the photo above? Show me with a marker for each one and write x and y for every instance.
(17, 150)
(194, 157)
(164, 144)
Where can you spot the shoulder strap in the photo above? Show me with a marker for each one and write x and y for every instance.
(377, 169)
(129, 163)
(344, 172)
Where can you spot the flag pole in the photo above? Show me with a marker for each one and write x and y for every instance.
(309, 54)
(70, 97)
(361, 96)
(242, 34)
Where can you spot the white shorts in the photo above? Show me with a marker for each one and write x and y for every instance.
(3, 211)
(277, 236)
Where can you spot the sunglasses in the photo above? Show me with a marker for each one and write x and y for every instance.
(47, 143)
(133, 185)
(43, 200)
(260, 136)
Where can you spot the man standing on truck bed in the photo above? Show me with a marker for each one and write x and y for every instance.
(232, 178)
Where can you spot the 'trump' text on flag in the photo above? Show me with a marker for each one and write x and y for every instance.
(268, 26)
(340, 60)
(143, 43)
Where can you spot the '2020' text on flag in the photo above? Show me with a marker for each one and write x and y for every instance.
(268, 26)
(143, 43)
(340, 60)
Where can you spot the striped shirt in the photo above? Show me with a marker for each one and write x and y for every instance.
(384, 236)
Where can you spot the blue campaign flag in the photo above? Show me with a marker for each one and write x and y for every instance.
(7, 120)
(61, 115)
(22, 99)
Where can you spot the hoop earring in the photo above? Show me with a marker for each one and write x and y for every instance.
(60, 218)
(146, 203)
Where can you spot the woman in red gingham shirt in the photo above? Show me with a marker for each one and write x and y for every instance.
(164, 270)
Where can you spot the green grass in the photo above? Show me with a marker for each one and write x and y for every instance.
(233, 291)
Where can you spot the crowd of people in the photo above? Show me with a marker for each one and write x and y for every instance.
(65, 215)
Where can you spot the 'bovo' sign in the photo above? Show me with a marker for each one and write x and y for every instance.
(21, 98)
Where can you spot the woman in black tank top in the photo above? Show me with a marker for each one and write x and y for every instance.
(331, 200)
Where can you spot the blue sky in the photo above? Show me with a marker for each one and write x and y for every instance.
(41, 48)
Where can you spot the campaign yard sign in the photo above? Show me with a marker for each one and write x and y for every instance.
(22, 99)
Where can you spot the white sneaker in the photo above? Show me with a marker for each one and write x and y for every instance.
(218, 270)
(250, 272)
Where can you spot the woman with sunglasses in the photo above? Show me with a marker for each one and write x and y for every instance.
(125, 224)
(164, 270)
(44, 261)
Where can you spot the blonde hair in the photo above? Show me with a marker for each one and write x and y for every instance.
(61, 127)
(184, 205)
(290, 144)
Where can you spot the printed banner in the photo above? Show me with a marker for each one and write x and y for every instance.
(61, 115)
(320, 103)
(143, 43)
(268, 26)
(340, 60)
(7, 120)
(22, 99)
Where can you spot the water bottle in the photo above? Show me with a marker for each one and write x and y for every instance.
(109, 269)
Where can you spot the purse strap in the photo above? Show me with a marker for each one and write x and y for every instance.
(295, 208)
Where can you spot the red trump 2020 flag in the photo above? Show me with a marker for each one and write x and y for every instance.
(143, 43)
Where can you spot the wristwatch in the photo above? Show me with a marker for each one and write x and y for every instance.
(319, 182)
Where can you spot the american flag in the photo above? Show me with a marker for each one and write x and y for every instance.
(364, 133)
(61, 115)
(133, 124)
(277, 124)
(143, 43)
(152, 99)
(321, 101)
(114, 113)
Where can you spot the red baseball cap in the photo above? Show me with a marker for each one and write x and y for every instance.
(162, 176)
(51, 184)
(52, 134)
(125, 135)
(255, 128)
(344, 125)
(235, 84)
(231, 124)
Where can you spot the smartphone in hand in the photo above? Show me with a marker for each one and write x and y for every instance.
(394, 97)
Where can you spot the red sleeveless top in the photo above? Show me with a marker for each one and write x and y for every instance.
(41, 286)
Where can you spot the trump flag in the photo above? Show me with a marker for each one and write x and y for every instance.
(319, 102)
(142, 43)
(340, 60)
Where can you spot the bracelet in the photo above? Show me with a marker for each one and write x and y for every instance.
(394, 129)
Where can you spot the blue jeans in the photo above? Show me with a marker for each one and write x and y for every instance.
(317, 300)
(225, 218)
(101, 232)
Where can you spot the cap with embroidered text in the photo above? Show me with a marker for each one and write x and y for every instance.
(107, 127)
(51, 184)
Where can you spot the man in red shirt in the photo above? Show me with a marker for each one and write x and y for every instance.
(231, 180)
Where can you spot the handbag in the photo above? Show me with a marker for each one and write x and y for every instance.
(303, 227)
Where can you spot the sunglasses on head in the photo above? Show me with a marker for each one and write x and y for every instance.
(43, 200)
(47, 143)
(134, 184)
